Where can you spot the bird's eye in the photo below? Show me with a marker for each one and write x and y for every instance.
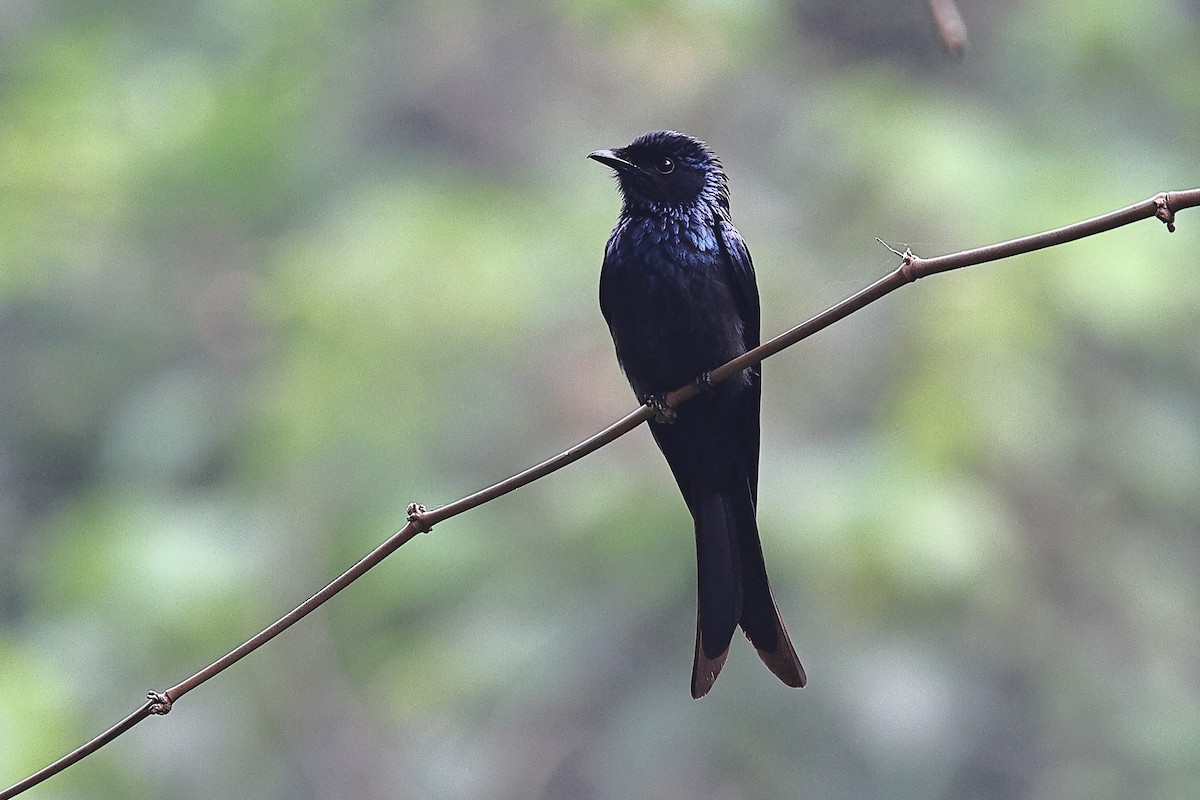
(665, 166)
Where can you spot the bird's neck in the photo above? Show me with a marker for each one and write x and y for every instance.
(676, 216)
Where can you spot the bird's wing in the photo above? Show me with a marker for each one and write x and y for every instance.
(741, 274)
(741, 279)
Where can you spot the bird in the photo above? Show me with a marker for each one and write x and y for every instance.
(678, 292)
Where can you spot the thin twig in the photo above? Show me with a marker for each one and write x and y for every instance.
(951, 28)
(1163, 206)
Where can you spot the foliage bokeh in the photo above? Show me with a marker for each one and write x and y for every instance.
(269, 271)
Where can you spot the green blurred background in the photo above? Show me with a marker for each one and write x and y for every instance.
(269, 271)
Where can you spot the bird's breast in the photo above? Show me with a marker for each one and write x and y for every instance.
(666, 294)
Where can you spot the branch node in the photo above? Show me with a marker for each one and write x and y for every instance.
(416, 517)
(908, 261)
(1163, 210)
(663, 413)
(160, 703)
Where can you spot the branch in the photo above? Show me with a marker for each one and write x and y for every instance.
(1162, 206)
(950, 26)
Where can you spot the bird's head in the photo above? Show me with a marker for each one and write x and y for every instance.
(665, 170)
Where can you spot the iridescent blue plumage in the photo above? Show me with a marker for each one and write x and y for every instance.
(678, 292)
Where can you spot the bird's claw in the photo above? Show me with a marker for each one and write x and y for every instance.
(663, 413)
(704, 383)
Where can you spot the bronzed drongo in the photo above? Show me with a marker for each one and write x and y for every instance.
(678, 292)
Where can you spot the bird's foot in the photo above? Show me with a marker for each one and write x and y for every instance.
(704, 383)
(663, 413)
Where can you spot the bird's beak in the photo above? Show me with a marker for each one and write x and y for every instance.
(609, 158)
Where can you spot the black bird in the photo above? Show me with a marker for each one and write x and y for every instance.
(677, 290)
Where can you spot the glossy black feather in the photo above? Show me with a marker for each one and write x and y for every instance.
(678, 292)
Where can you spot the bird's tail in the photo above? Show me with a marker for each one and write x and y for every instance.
(732, 590)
